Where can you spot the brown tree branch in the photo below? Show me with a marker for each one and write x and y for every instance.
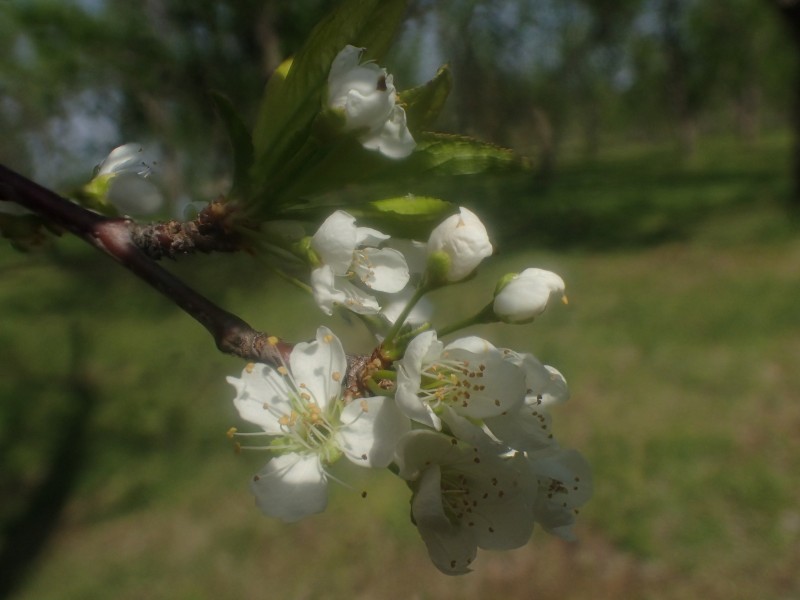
(118, 239)
(209, 232)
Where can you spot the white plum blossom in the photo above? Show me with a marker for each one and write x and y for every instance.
(126, 170)
(469, 375)
(565, 484)
(302, 408)
(527, 427)
(366, 95)
(465, 497)
(463, 239)
(525, 295)
(347, 253)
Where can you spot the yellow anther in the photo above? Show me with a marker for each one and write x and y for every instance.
(328, 338)
(336, 376)
(231, 432)
(564, 299)
(283, 370)
(237, 447)
(305, 396)
(272, 340)
(249, 367)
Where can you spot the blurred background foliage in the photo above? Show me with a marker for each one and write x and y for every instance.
(661, 133)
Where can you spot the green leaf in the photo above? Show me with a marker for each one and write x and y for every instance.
(436, 155)
(406, 216)
(411, 206)
(240, 141)
(425, 102)
(288, 109)
(444, 154)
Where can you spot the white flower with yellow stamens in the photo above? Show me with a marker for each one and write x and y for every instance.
(469, 375)
(466, 496)
(349, 255)
(302, 408)
(365, 95)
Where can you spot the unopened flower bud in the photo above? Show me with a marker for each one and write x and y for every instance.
(465, 242)
(522, 297)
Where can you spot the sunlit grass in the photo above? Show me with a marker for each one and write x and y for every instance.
(680, 350)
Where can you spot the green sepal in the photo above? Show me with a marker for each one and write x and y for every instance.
(288, 109)
(424, 103)
(241, 144)
(94, 195)
(437, 269)
(504, 281)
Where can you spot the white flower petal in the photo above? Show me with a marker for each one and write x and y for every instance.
(471, 343)
(261, 397)
(330, 291)
(466, 497)
(393, 140)
(128, 158)
(319, 367)
(526, 429)
(371, 430)
(368, 109)
(364, 92)
(451, 549)
(422, 349)
(291, 486)
(366, 236)
(335, 241)
(383, 270)
(325, 293)
(495, 385)
(569, 467)
(132, 194)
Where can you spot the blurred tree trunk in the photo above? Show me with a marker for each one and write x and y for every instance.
(678, 64)
(790, 13)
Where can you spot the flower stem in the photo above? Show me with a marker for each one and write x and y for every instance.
(395, 328)
(485, 315)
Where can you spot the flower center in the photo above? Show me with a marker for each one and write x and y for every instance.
(452, 382)
(308, 428)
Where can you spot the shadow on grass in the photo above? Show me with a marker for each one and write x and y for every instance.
(635, 200)
(27, 530)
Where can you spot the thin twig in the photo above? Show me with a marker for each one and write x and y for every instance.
(115, 237)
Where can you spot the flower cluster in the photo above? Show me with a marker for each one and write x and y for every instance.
(466, 424)
(365, 95)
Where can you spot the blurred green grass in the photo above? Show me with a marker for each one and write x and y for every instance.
(680, 344)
